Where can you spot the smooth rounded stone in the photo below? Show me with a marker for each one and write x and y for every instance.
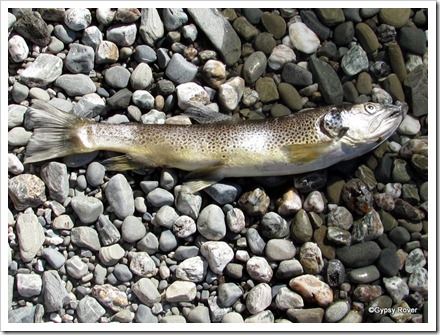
(343, 33)
(15, 166)
(363, 83)
(179, 70)
(80, 58)
(253, 14)
(259, 269)
(354, 61)
(258, 298)
(107, 52)
(228, 294)
(218, 254)
(286, 299)
(190, 94)
(254, 66)
(146, 291)
(174, 18)
(143, 99)
(120, 197)
(312, 289)
(397, 61)
(85, 237)
(77, 18)
(388, 263)
(89, 310)
(16, 115)
(145, 54)
(274, 24)
(190, 32)
(214, 73)
(264, 42)
(296, 75)
(311, 20)
(381, 96)
(416, 84)
(122, 35)
(396, 17)
(340, 217)
(289, 268)
(154, 117)
(231, 92)
(87, 208)
(393, 86)
(123, 316)
(76, 268)
(180, 291)
(110, 255)
(266, 89)
(64, 34)
(149, 243)
(32, 27)
(290, 203)
(306, 315)
(338, 235)
(359, 255)
(18, 137)
(145, 315)
(303, 38)
(404, 210)
(409, 126)
(184, 226)
(192, 269)
(335, 273)
(396, 287)
(39, 93)
(274, 226)
(110, 296)
(54, 293)
(329, 83)
(142, 264)
(367, 38)
(117, 76)
(235, 220)
(418, 280)
(76, 84)
(26, 190)
(141, 77)
(122, 273)
(167, 241)
(62, 222)
(132, 229)
(280, 250)
(166, 216)
(28, 285)
(254, 202)
(255, 242)
(211, 223)
(44, 70)
(18, 48)
(95, 174)
(357, 197)
(301, 227)
(364, 275)
(314, 202)
(352, 14)
(244, 28)
(416, 259)
(151, 28)
(290, 96)
(199, 314)
(310, 257)
(330, 16)
(56, 179)
(336, 311)
(172, 319)
(54, 257)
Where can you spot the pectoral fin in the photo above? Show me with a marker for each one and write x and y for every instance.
(123, 163)
(300, 154)
(202, 178)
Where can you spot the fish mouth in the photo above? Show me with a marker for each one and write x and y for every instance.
(382, 121)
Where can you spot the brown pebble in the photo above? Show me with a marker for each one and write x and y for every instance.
(312, 289)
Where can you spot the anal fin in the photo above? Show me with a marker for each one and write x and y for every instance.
(202, 178)
(123, 163)
(300, 154)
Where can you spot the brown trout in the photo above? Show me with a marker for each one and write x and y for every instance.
(302, 142)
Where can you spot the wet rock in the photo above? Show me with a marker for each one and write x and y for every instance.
(329, 84)
(303, 38)
(359, 255)
(357, 197)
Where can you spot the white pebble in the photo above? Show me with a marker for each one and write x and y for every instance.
(18, 48)
(281, 55)
(303, 38)
(409, 126)
(189, 94)
(231, 92)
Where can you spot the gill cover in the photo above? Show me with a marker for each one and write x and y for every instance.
(332, 124)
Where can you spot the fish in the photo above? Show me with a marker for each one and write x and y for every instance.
(306, 141)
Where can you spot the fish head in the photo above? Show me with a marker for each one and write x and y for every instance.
(361, 124)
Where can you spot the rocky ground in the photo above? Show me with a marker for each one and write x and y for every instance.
(346, 244)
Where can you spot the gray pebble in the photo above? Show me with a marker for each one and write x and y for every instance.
(259, 269)
(364, 275)
(76, 268)
(29, 285)
(92, 37)
(184, 252)
(416, 259)
(56, 179)
(179, 70)
(100, 274)
(145, 54)
(122, 273)
(286, 299)
(89, 310)
(151, 28)
(255, 242)
(218, 254)
(223, 193)
(30, 236)
(95, 174)
(296, 75)
(87, 208)
(254, 66)
(359, 255)
(336, 311)
(16, 115)
(143, 99)
(55, 295)
(259, 298)
(192, 269)
(160, 197)
(15, 166)
(180, 291)
(199, 314)
(211, 223)
(146, 291)
(122, 35)
(354, 61)
(280, 250)
(144, 315)
(289, 268)
(117, 77)
(120, 197)
(274, 226)
(19, 92)
(132, 229)
(77, 18)
(329, 83)
(39, 93)
(190, 32)
(149, 243)
(64, 33)
(163, 58)
(18, 48)
(142, 264)
(340, 217)
(80, 58)
(110, 255)
(167, 241)
(184, 226)
(232, 317)
(229, 293)
(76, 84)
(106, 53)
(174, 18)
(108, 233)
(85, 237)
(166, 216)
(55, 258)
(18, 137)
(22, 315)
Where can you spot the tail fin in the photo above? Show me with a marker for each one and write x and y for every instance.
(55, 134)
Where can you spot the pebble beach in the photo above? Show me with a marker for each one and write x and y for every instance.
(346, 244)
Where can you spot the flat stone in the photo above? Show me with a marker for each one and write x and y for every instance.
(179, 70)
(76, 84)
(254, 66)
(119, 195)
(258, 298)
(85, 237)
(44, 70)
(32, 27)
(359, 255)
(55, 295)
(312, 289)
(307, 315)
(22, 315)
(89, 310)
(151, 28)
(30, 236)
(329, 84)
(219, 32)
(146, 291)
(76, 268)
(180, 291)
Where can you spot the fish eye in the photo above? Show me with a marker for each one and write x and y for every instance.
(370, 108)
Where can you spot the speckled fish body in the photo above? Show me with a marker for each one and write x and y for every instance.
(305, 141)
